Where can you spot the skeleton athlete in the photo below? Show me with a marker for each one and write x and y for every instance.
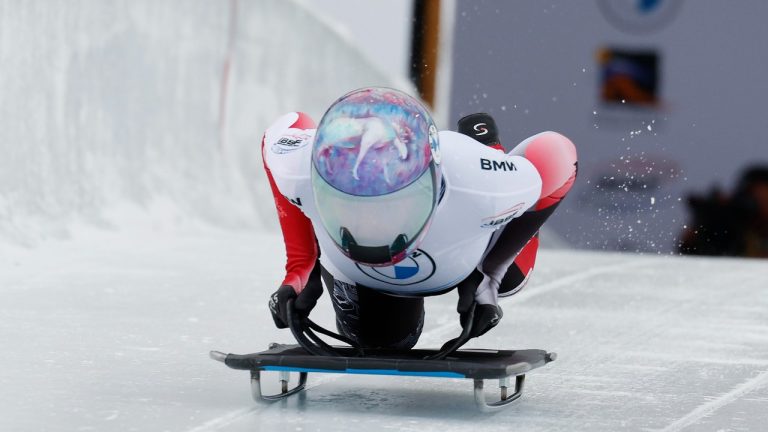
(457, 212)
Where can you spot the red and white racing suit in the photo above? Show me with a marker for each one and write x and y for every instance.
(490, 211)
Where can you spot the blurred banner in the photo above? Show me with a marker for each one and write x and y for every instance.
(662, 98)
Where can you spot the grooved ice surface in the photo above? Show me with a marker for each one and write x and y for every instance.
(111, 332)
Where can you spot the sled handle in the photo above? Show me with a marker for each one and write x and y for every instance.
(316, 327)
(454, 344)
(298, 330)
(302, 331)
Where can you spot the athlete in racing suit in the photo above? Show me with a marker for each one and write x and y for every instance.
(483, 238)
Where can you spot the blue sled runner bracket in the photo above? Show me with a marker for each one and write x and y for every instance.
(475, 364)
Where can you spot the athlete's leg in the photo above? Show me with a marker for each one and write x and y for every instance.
(512, 254)
(374, 319)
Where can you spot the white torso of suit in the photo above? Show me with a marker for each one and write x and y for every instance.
(484, 189)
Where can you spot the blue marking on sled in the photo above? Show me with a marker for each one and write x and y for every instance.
(438, 374)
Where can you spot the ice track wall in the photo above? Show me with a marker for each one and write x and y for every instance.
(153, 108)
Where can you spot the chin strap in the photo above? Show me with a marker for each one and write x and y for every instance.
(373, 255)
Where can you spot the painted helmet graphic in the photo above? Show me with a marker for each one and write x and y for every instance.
(376, 175)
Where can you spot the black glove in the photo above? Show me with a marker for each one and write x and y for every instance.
(303, 302)
(485, 316)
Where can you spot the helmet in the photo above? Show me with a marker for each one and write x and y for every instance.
(375, 174)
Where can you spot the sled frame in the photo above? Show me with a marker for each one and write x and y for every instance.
(286, 359)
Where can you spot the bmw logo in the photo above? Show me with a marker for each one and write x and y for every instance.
(418, 267)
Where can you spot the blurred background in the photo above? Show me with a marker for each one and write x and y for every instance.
(150, 113)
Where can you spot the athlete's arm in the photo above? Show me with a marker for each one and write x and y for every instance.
(511, 254)
(302, 275)
(499, 187)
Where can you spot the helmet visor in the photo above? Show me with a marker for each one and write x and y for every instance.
(376, 230)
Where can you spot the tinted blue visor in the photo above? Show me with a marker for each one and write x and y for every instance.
(377, 230)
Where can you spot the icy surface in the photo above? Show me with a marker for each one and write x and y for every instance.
(130, 133)
(111, 332)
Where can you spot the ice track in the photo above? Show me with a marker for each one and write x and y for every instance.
(143, 119)
(114, 334)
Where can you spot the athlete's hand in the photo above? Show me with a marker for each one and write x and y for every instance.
(485, 316)
(303, 302)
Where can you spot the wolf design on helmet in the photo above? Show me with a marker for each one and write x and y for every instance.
(366, 133)
(373, 142)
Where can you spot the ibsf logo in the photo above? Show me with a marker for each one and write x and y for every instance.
(503, 217)
(290, 143)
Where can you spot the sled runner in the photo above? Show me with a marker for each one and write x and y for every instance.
(475, 364)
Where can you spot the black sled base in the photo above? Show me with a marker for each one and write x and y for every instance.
(477, 365)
